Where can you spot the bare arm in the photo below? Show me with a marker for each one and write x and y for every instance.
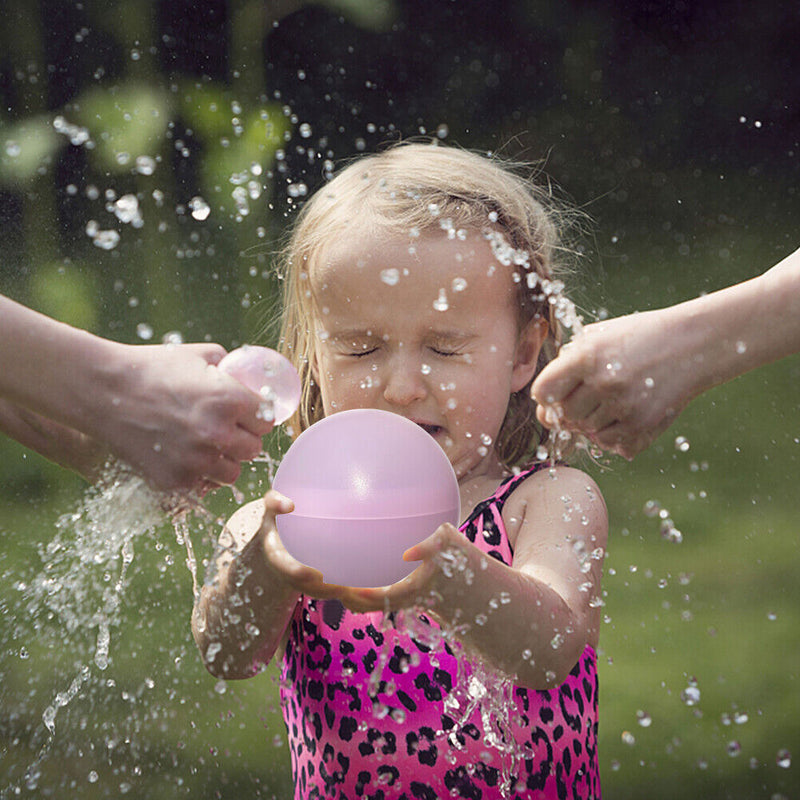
(623, 381)
(65, 446)
(159, 408)
(242, 615)
(533, 619)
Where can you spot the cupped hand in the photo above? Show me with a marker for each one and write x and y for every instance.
(179, 422)
(620, 383)
(285, 567)
(441, 556)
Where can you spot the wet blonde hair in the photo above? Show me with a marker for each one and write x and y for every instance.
(422, 187)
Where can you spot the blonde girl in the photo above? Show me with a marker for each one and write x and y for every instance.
(420, 281)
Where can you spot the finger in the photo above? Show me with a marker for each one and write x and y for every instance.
(549, 416)
(277, 503)
(253, 421)
(209, 352)
(302, 577)
(557, 380)
(441, 538)
(581, 403)
(222, 471)
(243, 446)
(617, 438)
(603, 417)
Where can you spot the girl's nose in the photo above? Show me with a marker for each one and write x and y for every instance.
(404, 384)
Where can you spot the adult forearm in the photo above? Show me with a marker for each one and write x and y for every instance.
(56, 442)
(731, 331)
(51, 368)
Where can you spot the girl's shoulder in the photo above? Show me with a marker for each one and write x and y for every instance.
(545, 491)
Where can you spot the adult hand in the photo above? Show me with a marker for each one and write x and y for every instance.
(171, 415)
(621, 382)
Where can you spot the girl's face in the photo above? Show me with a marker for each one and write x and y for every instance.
(426, 328)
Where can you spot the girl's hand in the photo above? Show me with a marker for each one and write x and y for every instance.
(442, 555)
(286, 569)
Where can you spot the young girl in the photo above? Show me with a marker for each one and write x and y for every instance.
(418, 281)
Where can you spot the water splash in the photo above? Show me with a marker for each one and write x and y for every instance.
(81, 587)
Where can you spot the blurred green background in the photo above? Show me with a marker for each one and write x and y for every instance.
(675, 126)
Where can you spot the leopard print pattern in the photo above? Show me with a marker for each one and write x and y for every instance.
(363, 702)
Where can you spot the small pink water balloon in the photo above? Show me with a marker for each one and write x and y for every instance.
(267, 373)
(366, 485)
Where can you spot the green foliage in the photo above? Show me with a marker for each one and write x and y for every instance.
(28, 148)
(126, 121)
(234, 138)
(371, 14)
(67, 293)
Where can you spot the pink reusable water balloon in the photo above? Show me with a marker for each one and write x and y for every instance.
(366, 485)
(269, 374)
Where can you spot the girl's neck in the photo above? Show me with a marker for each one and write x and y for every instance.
(480, 483)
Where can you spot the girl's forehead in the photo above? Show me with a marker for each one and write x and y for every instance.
(432, 254)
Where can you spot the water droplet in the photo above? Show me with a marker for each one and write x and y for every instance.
(443, 131)
(199, 208)
(651, 508)
(239, 195)
(144, 331)
(172, 337)
(93, 777)
(305, 130)
(783, 758)
(390, 276)
(644, 719)
(13, 149)
(459, 284)
(440, 303)
(691, 695)
(297, 190)
(733, 748)
(682, 444)
(145, 165)
(105, 240)
(628, 738)
(741, 347)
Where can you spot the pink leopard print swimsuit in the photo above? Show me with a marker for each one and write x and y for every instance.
(363, 703)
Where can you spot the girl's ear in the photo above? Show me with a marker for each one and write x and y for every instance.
(526, 357)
